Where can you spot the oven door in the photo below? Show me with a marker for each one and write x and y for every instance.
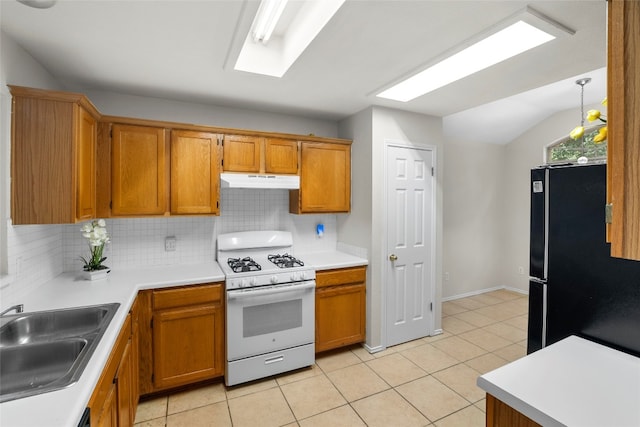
(270, 318)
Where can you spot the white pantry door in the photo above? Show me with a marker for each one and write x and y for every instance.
(410, 245)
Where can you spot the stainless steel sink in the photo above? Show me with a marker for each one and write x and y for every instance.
(48, 350)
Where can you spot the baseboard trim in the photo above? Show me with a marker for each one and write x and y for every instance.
(484, 291)
(373, 349)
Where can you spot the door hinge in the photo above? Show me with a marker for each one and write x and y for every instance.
(608, 213)
(431, 306)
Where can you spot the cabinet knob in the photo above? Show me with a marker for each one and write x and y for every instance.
(392, 257)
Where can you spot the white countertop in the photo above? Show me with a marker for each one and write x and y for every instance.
(65, 407)
(574, 382)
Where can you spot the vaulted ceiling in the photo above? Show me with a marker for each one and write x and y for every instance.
(185, 50)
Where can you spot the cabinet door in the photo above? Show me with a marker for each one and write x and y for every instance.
(241, 153)
(195, 174)
(108, 415)
(325, 178)
(139, 170)
(340, 316)
(623, 107)
(86, 165)
(281, 156)
(186, 344)
(124, 388)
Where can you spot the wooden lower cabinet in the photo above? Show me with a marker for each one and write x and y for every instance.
(340, 307)
(185, 343)
(499, 414)
(114, 399)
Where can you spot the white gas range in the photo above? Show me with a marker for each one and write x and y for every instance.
(270, 305)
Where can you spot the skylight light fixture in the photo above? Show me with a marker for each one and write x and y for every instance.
(508, 42)
(266, 19)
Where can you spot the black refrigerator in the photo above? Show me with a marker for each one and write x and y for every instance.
(575, 286)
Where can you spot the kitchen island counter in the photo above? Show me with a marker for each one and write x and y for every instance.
(574, 382)
(65, 407)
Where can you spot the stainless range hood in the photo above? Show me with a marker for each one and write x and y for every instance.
(243, 180)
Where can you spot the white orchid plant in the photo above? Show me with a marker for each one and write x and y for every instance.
(96, 233)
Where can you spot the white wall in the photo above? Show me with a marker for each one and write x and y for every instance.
(473, 209)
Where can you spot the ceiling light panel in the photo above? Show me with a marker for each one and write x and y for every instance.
(529, 31)
(266, 19)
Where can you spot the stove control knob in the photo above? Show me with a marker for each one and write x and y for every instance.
(294, 277)
(274, 279)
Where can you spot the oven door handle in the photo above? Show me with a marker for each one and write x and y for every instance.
(269, 290)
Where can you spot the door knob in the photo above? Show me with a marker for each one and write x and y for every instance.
(392, 257)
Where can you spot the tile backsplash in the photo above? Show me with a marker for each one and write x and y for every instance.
(37, 253)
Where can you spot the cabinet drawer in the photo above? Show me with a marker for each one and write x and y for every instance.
(190, 295)
(340, 276)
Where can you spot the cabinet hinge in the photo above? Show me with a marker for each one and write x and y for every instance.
(111, 133)
(218, 205)
(111, 204)
(608, 213)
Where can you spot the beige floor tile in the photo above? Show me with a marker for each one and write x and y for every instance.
(474, 318)
(299, 374)
(396, 369)
(252, 387)
(264, 408)
(468, 417)
(486, 363)
(482, 405)
(520, 322)
(362, 354)
(458, 348)
(336, 360)
(387, 351)
(357, 381)
(454, 325)
(344, 416)
(430, 358)
(293, 424)
(468, 303)
(196, 398)
(485, 339)
(507, 331)
(407, 345)
(156, 422)
(388, 409)
(462, 379)
(450, 308)
(497, 312)
(216, 415)
(486, 299)
(432, 398)
(150, 409)
(512, 352)
(312, 396)
(438, 337)
(506, 295)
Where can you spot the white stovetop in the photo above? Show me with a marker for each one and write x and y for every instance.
(574, 382)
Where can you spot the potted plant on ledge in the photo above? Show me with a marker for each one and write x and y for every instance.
(96, 233)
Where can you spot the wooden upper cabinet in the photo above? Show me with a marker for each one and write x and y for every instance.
(139, 175)
(623, 122)
(257, 154)
(53, 157)
(281, 156)
(325, 179)
(195, 172)
(242, 153)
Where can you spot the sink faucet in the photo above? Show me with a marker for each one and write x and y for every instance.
(19, 308)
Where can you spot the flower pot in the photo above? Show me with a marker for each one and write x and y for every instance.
(96, 274)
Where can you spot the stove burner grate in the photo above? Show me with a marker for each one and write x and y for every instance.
(285, 261)
(240, 265)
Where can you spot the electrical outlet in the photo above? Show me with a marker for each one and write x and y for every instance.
(521, 270)
(170, 243)
(446, 276)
